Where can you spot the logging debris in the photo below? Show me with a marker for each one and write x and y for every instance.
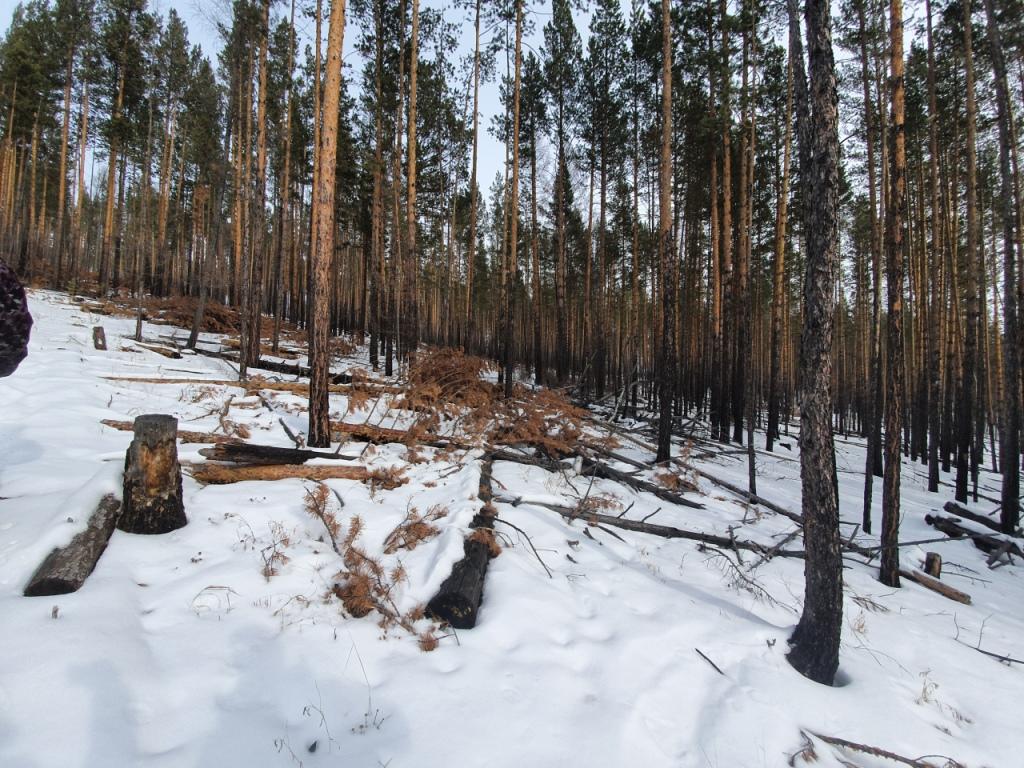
(249, 453)
(457, 601)
(66, 568)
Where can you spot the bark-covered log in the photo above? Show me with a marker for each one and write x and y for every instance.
(152, 478)
(247, 453)
(159, 349)
(222, 474)
(599, 469)
(294, 369)
(185, 435)
(933, 564)
(457, 602)
(66, 568)
(753, 498)
(959, 510)
(936, 586)
(99, 338)
(665, 531)
(665, 494)
(983, 541)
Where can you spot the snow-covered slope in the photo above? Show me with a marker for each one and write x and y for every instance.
(180, 651)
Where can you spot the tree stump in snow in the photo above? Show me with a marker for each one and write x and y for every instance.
(99, 338)
(65, 569)
(152, 478)
(933, 564)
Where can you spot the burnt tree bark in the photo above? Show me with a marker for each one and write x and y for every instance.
(814, 646)
(152, 478)
(666, 375)
(458, 599)
(889, 571)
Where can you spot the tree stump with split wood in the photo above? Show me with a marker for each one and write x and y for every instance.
(99, 338)
(152, 478)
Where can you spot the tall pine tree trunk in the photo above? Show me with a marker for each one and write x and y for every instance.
(666, 250)
(814, 645)
(326, 159)
(1009, 432)
(889, 570)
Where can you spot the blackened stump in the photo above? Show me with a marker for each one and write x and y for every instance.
(152, 478)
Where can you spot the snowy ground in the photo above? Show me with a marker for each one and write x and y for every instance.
(178, 651)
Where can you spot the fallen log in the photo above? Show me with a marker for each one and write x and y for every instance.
(664, 531)
(601, 470)
(753, 498)
(294, 369)
(597, 469)
(248, 453)
(983, 541)
(955, 508)
(457, 602)
(173, 354)
(220, 474)
(936, 586)
(253, 384)
(367, 433)
(65, 569)
(185, 435)
(152, 478)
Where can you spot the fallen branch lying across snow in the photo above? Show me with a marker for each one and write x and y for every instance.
(913, 762)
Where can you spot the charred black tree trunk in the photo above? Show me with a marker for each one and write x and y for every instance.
(814, 646)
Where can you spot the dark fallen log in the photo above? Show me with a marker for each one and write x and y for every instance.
(606, 472)
(664, 531)
(458, 600)
(983, 541)
(597, 469)
(167, 352)
(955, 508)
(294, 369)
(65, 569)
(753, 498)
(248, 453)
(367, 433)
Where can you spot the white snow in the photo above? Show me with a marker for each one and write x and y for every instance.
(178, 651)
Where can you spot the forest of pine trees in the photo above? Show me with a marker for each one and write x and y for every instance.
(745, 212)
